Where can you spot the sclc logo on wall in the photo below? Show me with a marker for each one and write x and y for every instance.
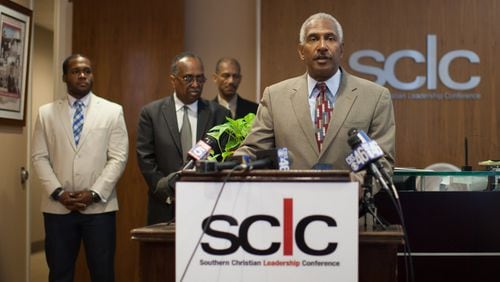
(435, 68)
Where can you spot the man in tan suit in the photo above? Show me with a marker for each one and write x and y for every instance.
(80, 149)
(287, 112)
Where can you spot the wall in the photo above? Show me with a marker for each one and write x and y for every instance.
(428, 130)
(132, 59)
(43, 93)
(13, 194)
(218, 28)
(131, 46)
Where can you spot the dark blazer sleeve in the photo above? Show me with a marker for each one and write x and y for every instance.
(220, 113)
(146, 153)
(243, 107)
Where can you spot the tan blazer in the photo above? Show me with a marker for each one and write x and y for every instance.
(284, 120)
(96, 164)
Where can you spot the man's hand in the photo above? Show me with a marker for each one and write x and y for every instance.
(165, 188)
(84, 198)
(71, 202)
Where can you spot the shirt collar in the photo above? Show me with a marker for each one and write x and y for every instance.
(85, 99)
(178, 104)
(231, 105)
(333, 83)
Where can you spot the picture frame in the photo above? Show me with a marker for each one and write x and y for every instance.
(15, 46)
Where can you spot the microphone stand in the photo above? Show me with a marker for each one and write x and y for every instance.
(386, 182)
(367, 204)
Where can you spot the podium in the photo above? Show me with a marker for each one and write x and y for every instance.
(377, 248)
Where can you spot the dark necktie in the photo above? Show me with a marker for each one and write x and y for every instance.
(323, 114)
(186, 136)
(78, 121)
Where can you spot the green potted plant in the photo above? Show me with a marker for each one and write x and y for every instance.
(230, 134)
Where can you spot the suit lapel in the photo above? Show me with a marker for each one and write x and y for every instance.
(240, 108)
(91, 116)
(204, 118)
(343, 105)
(170, 116)
(62, 112)
(300, 98)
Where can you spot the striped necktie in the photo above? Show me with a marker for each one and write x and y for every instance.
(78, 120)
(323, 114)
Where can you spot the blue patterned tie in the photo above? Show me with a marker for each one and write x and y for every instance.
(78, 120)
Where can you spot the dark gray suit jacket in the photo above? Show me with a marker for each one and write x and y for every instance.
(243, 106)
(159, 151)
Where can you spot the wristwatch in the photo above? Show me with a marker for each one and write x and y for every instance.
(95, 197)
(57, 193)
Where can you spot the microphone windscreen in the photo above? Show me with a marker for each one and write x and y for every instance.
(353, 140)
(278, 158)
(201, 149)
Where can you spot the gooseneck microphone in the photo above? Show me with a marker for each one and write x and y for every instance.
(199, 151)
(233, 162)
(277, 158)
(366, 154)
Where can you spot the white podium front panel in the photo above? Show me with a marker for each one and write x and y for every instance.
(267, 231)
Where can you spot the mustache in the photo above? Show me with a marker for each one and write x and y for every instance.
(322, 56)
(194, 90)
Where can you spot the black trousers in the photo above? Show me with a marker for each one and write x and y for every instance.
(63, 236)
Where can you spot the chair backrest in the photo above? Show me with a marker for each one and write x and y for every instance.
(433, 183)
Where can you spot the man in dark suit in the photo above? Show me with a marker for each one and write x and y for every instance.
(288, 113)
(227, 77)
(159, 149)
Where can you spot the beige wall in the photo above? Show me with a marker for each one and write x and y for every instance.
(49, 49)
(217, 28)
(43, 89)
(13, 196)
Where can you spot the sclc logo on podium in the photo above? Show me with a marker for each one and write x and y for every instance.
(289, 234)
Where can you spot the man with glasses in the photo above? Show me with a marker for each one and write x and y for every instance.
(169, 127)
(227, 77)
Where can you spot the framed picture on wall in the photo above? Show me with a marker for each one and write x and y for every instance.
(15, 26)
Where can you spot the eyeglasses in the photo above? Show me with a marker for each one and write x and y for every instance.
(200, 79)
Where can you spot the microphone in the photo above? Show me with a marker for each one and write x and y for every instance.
(208, 166)
(365, 150)
(199, 151)
(277, 158)
(366, 154)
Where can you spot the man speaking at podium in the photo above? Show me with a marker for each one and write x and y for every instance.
(311, 114)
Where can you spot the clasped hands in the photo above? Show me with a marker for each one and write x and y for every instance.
(75, 201)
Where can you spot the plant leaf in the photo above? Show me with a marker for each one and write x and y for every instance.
(235, 131)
